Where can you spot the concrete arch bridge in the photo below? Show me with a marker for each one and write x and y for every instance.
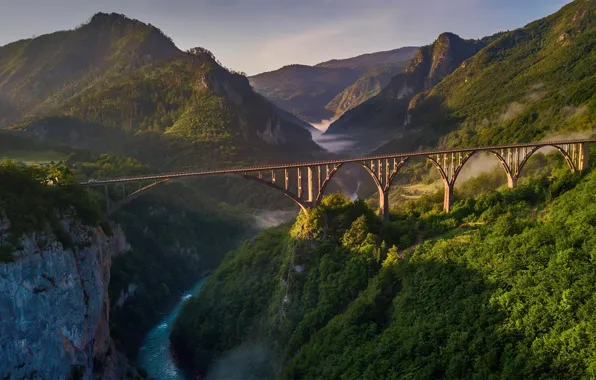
(305, 183)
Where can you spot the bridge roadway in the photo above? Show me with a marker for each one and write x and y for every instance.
(307, 191)
(192, 173)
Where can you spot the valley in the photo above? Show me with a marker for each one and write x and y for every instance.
(425, 211)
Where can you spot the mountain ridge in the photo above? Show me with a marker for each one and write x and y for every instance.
(315, 93)
(387, 112)
(525, 85)
(145, 96)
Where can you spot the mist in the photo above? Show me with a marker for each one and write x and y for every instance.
(478, 164)
(559, 136)
(323, 125)
(267, 219)
(249, 361)
(333, 144)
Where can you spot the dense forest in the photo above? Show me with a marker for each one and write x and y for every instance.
(535, 82)
(30, 204)
(502, 287)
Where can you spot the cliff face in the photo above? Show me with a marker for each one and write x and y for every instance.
(386, 115)
(54, 305)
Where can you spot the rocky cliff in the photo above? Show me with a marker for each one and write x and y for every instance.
(387, 115)
(54, 305)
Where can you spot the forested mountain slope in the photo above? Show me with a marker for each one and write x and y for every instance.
(385, 114)
(365, 87)
(502, 287)
(38, 73)
(304, 90)
(141, 99)
(531, 82)
(326, 90)
(524, 85)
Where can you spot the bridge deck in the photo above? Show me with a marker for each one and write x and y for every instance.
(197, 173)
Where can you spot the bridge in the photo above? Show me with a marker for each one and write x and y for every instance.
(305, 183)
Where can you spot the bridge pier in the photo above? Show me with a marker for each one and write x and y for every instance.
(584, 157)
(448, 198)
(311, 185)
(384, 204)
(308, 191)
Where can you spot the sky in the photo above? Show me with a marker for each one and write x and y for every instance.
(254, 36)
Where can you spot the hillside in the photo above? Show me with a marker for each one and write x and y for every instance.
(368, 85)
(530, 83)
(144, 99)
(304, 90)
(310, 92)
(37, 74)
(527, 84)
(502, 287)
(385, 115)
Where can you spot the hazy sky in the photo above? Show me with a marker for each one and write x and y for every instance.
(262, 35)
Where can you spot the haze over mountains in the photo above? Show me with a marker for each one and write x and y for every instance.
(500, 286)
(119, 85)
(326, 90)
(511, 87)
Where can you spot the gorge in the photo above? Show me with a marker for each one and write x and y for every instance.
(487, 274)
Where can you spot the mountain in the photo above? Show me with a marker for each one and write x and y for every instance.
(371, 61)
(387, 111)
(120, 86)
(531, 83)
(310, 92)
(304, 90)
(36, 74)
(495, 290)
(527, 84)
(368, 85)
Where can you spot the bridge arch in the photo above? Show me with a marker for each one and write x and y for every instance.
(288, 194)
(510, 177)
(440, 169)
(134, 196)
(325, 183)
(382, 168)
(394, 173)
(565, 154)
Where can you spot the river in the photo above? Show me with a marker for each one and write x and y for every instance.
(155, 355)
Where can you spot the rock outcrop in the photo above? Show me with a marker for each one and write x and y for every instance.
(387, 115)
(54, 305)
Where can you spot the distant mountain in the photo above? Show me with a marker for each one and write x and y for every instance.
(371, 61)
(304, 90)
(120, 86)
(535, 82)
(315, 93)
(386, 114)
(368, 85)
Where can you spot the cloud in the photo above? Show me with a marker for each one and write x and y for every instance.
(323, 40)
(259, 35)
